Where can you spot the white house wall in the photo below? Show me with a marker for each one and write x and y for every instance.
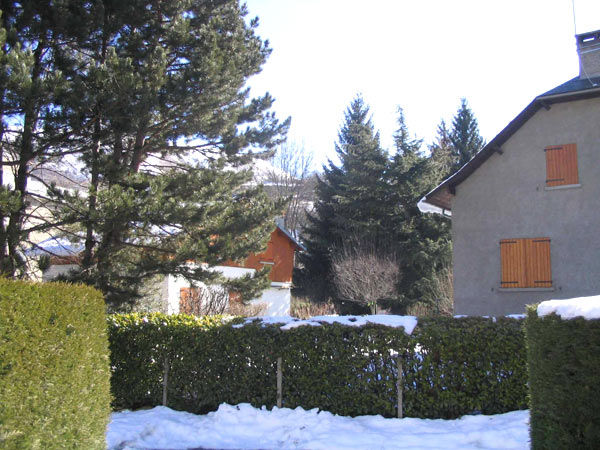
(277, 299)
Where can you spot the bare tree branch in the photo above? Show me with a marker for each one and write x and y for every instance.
(363, 275)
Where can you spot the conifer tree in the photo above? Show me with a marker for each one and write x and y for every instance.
(152, 100)
(351, 201)
(171, 121)
(441, 151)
(32, 76)
(371, 199)
(464, 136)
(422, 241)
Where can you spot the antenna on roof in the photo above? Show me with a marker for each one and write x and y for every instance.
(574, 21)
(580, 44)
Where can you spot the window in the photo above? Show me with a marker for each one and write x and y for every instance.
(525, 263)
(561, 165)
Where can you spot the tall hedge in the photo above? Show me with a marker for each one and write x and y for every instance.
(54, 366)
(564, 369)
(450, 366)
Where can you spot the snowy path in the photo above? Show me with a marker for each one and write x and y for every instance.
(243, 426)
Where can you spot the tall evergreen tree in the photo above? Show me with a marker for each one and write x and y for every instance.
(152, 99)
(441, 151)
(372, 198)
(421, 241)
(32, 76)
(350, 202)
(464, 136)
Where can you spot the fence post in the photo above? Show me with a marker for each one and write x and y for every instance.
(279, 381)
(399, 384)
(165, 380)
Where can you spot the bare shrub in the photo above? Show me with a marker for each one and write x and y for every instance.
(440, 298)
(363, 275)
(204, 301)
(303, 308)
(237, 308)
(292, 179)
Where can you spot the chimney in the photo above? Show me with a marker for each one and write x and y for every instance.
(588, 48)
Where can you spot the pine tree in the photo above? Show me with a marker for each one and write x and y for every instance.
(350, 202)
(156, 109)
(464, 136)
(32, 76)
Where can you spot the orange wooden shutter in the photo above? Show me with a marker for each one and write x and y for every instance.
(184, 300)
(512, 257)
(561, 165)
(539, 270)
(189, 300)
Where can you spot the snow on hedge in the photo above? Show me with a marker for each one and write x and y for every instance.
(586, 307)
(408, 322)
(244, 426)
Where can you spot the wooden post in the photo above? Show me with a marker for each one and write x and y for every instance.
(399, 384)
(279, 381)
(165, 380)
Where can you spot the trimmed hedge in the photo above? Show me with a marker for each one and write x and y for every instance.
(451, 367)
(564, 365)
(54, 366)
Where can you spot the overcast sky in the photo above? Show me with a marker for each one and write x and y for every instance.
(421, 55)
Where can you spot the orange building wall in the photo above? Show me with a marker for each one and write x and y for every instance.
(280, 252)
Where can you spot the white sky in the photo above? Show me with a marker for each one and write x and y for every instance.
(421, 55)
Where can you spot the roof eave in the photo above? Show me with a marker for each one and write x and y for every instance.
(434, 198)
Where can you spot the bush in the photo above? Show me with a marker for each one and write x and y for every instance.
(54, 371)
(451, 366)
(466, 365)
(563, 359)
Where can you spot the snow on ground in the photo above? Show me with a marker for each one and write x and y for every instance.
(408, 322)
(243, 426)
(586, 307)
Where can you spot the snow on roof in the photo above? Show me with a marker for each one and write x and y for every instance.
(586, 307)
(428, 208)
(407, 322)
(56, 247)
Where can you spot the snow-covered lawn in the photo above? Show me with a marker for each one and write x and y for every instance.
(244, 426)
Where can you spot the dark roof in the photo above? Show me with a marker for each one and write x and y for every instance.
(575, 89)
(575, 85)
(284, 230)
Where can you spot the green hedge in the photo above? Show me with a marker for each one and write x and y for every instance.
(564, 365)
(451, 367)
(54, 366)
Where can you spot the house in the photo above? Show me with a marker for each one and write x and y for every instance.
(279, 255)
(526, 209)
(171, 294)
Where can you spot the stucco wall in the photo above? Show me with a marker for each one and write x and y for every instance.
(506, 198)
(277, 299)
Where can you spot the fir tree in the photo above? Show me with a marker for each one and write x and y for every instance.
(421, 241)
(351, 201)
(441, 152)
(464, 136)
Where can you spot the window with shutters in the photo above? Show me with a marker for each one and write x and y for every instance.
(561, 165)
(525, 263)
